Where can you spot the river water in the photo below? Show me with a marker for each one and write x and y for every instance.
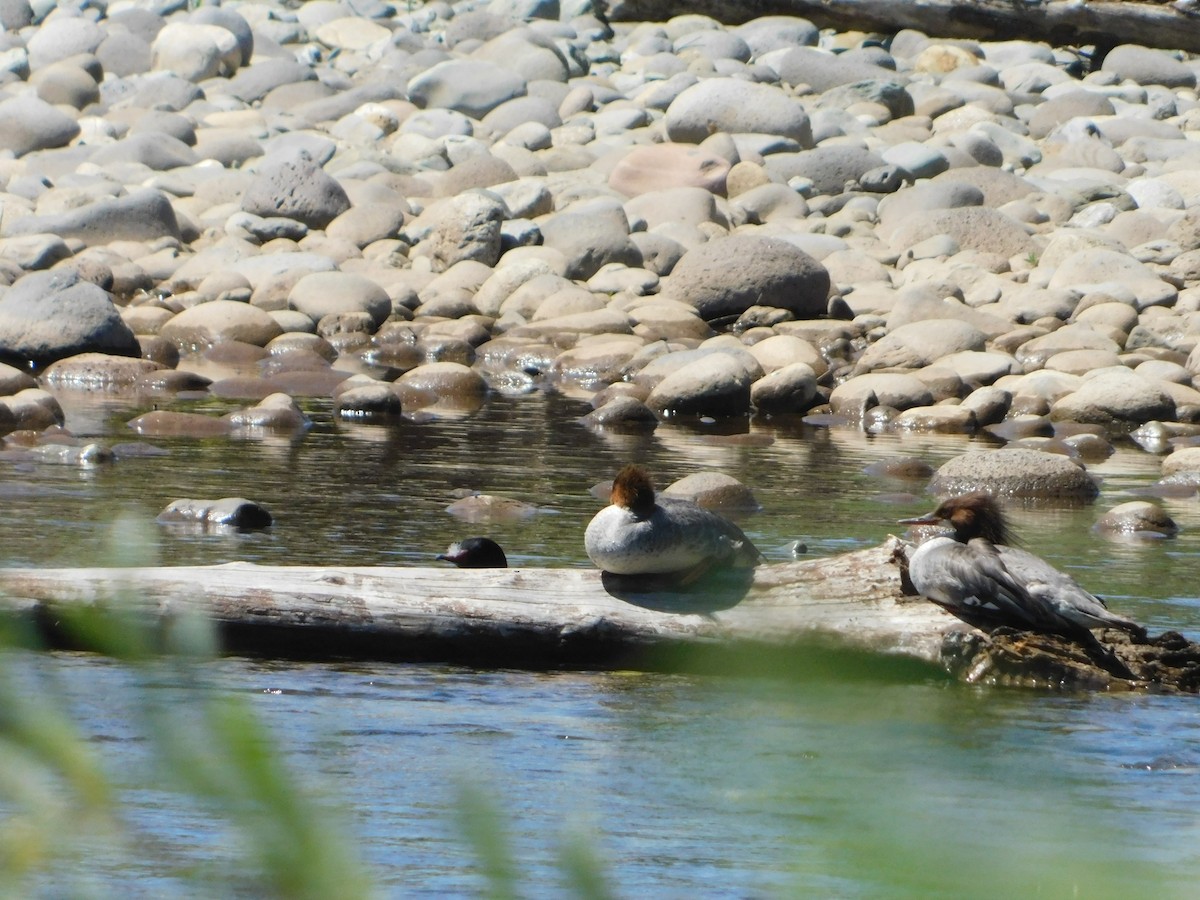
(842, 778)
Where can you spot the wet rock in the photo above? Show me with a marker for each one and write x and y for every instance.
(367, 402)
(489, 508)
(1137, 517)
(1014, 472)
(99, 371)
(226, 513)
(853, 397)
(622, 413)
(168, 423)
(275, 412)
(445, 383)
(717, 384)
(714, 490)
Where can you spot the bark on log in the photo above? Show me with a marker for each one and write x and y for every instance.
(541, 618)
(1059, 22)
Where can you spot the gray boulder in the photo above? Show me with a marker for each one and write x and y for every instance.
(716, 384)
(591, 236)
(28, 123)
(469, 86)
(144, 215)
(735, 106)
(51, 315)
(1015, 472)
(728, 275)
(1115, 397)
(297, 188)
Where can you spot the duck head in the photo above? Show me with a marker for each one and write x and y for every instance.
(475, 553)
(970, 516)
(633, 490)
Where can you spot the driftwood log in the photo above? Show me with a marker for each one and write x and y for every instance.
(1098, 23)
(848, 612)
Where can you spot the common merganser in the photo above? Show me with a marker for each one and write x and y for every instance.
(475, 553)
(976, 574)
(639, 535)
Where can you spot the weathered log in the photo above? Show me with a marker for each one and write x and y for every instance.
(854, 603)
(1060, 22)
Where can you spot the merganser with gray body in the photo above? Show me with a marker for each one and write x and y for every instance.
(975, 573)
(475, 553)
(640, 534)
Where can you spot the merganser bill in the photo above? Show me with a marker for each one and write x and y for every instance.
(975, 573)
(475, 553)
(641, 535)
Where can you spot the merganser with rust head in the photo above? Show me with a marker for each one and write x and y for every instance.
(972, 570)
(475, 553)
(641, 535)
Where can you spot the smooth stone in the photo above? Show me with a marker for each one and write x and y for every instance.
(254, 82)
(1115, 397)
(443, 383)
(29, 124)
(195, 51)
(32, 409)
(1144, 65)
(853, 397)
(1185, 459)
(591, 235)
(972, 228)
(296, 188)
(938, 419)
(822, 70)
(228, 512)
(919, 344)
(99, 371)
(657, 167)
(622, 413)
(716, 385)
(728, 275)
(829, 168)
(714, 490)
(13, 380)
(143, 215)
(46, 316)
(275, 412)
(368, 402)
(169, 423)
(322, 294)
(1137, 517)
(220, 321)
(471, 87)
(788, 389)
(490, 508)
(735, 106)
(60, 37)
(1015, 472)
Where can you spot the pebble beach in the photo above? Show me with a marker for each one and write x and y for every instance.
(401, 209)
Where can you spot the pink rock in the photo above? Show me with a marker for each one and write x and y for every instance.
(658, 166)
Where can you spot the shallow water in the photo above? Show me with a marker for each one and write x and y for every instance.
(837, 779)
